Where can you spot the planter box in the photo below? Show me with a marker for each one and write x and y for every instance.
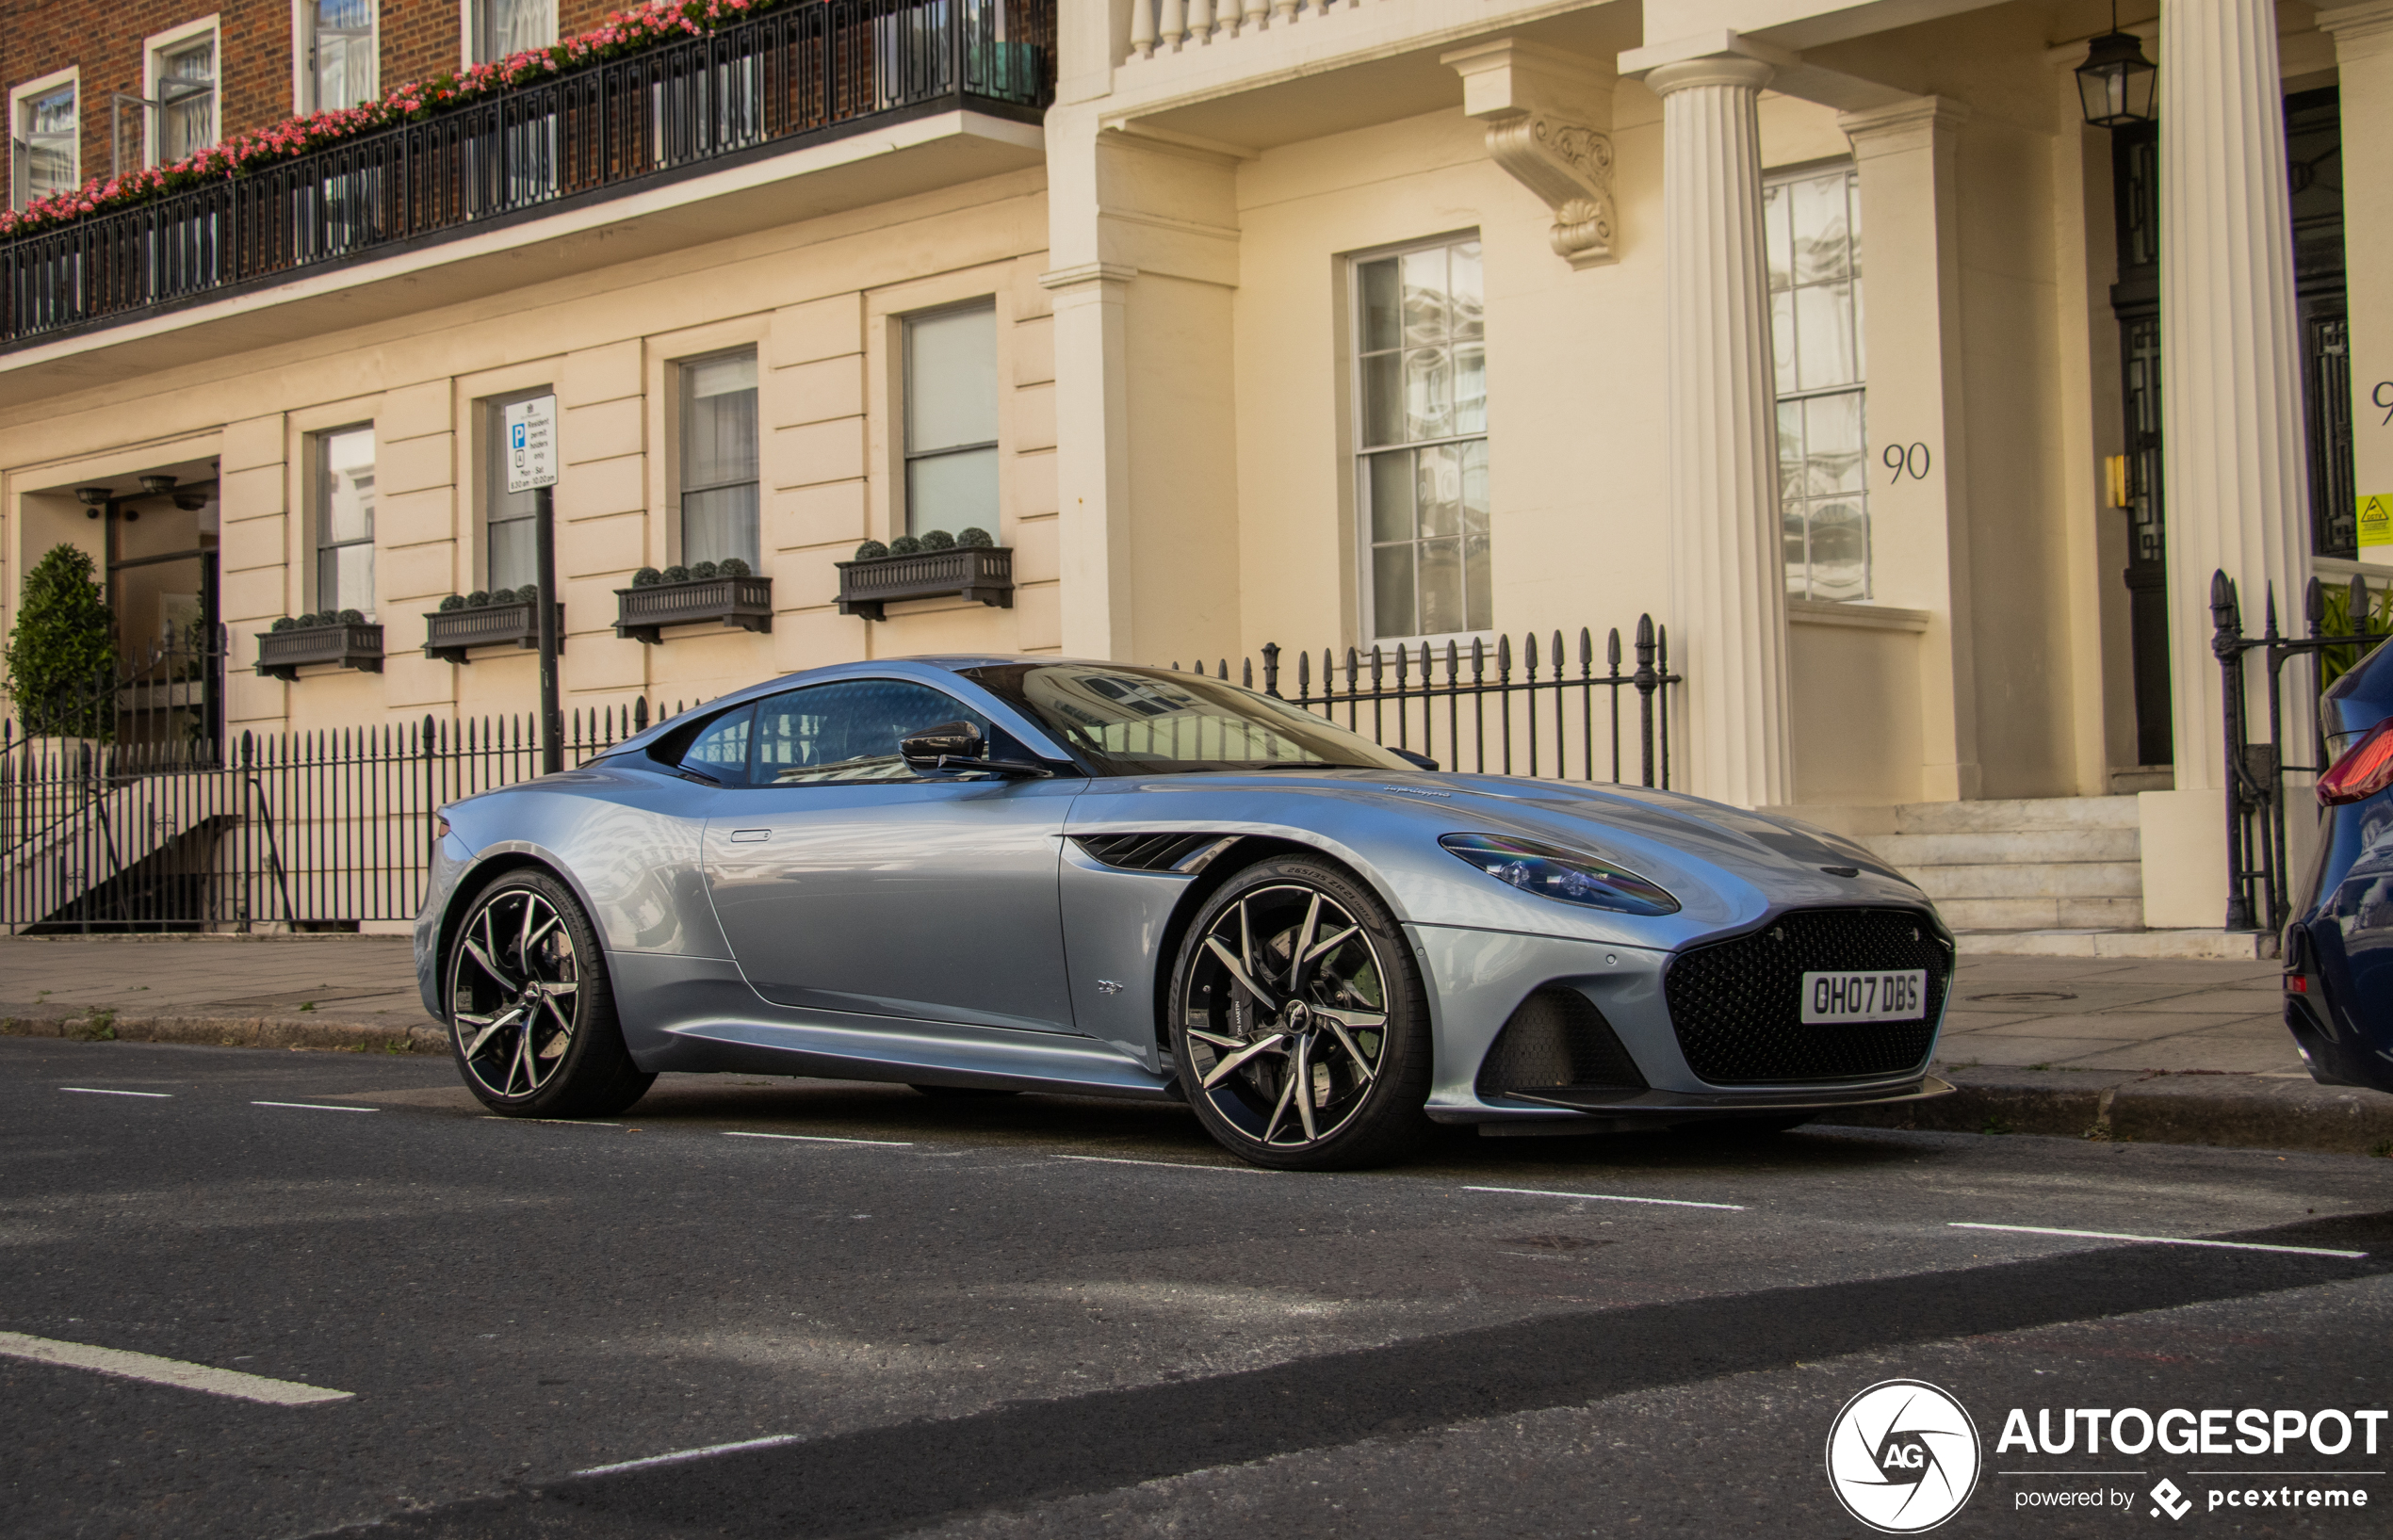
(744, 604)
(974, 571)
(448, 632)
(282, 654)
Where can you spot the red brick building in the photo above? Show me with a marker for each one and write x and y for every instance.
(96, 91)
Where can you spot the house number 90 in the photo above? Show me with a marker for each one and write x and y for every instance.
(1911, 460)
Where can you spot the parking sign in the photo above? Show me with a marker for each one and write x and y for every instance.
(531, 443)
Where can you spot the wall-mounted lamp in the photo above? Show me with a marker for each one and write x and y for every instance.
(2115, 83)
(94, 499)
(157, 486)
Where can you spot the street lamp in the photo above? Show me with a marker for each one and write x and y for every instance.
(2115, 83)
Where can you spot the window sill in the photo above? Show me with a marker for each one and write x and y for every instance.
(1855, 614)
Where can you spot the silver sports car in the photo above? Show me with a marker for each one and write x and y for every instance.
(982, 875)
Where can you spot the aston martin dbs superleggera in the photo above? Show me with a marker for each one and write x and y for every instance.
(999, 875)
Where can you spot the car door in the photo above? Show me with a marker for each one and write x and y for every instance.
(845, 881)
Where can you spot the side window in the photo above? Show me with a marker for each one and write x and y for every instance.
(722, 750)
(847, 732)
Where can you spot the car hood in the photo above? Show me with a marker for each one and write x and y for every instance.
(1728, 868)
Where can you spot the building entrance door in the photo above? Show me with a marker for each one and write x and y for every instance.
(162, 577)
(2135, 170)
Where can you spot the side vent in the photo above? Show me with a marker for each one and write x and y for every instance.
(1183, 854)
(1558, 1040)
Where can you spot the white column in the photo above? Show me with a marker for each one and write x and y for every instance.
(1092, 455)
(1728, 569)
(2234, 477)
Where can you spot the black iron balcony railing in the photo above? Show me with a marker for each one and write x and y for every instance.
(817, 70)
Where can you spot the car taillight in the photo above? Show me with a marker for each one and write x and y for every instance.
(2364, 770)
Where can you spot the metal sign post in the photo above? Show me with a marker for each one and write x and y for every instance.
(531, 466)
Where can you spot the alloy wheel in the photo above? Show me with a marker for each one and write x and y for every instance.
(515, 992)
(1285, 1016)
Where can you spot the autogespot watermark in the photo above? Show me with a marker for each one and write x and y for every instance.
(1903, 1456)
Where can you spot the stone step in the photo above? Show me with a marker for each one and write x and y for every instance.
(2240, 944)
(1908, 853)
(2037, 813)
(2038, 913)
(2032, 880)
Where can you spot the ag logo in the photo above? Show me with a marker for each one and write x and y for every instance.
(1902, 1456)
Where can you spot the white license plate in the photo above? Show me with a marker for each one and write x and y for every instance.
(1865, 997)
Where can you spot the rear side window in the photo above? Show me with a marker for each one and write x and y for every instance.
(720, 749)
(848, 731)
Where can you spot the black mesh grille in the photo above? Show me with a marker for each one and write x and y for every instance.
(1737, 1005)
(1557, 1039)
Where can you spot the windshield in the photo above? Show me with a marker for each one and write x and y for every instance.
(1139, 721)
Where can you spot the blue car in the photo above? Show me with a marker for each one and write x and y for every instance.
(2338, 951)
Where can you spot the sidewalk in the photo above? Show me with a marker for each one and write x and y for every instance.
(2170, 1050)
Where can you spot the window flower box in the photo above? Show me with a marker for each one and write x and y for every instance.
(973, 571)
(350, 645)
(742, 602)
(447, 633)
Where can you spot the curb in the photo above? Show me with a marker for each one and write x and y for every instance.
(292, 1032)
(2245, 1111)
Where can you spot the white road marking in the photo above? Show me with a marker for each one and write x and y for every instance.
(142, 1366)
(2157, 1239)
(1175, 1165)
(96, 1090)
(824, 1138)
(1604, 1197)
(680, 1455)
(314, 1106)
(569, 1123)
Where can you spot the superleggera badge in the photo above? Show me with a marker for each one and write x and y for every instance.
(1416, 791)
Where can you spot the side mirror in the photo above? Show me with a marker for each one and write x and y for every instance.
(1420, 761)
(928, 749)
(954, 747)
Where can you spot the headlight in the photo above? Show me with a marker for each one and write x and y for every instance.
(1552, 873)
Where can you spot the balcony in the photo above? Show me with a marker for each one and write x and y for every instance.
(631, 145)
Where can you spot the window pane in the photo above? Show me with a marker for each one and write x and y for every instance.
(719, 524)
(345, 579)
(951, 378)
(719, 420)
(187, 90)
(1429, 395)
(1382, 400)
(1391, 497)
(722, 750)
(1840, 551)
(1425, 297)
(1824, 330)
(1477, 578)
(1470, 389)
(50, 132)
(1466, 285)
(347, 486)
(514, 559)
(848, 731)
(952, 491)
(1782, 338)
(1441, 580)
(1379, 318)
(1832, 444)
(1774, 240)
(1392, 591)
(1790, 450)
(510, 27)
(1797, 564)
(1439, 492)
(1818, 218)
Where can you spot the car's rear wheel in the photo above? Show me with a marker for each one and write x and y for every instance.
(1299, 1024)
(531, 1018)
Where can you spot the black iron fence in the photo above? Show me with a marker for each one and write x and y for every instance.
(816, 68)
(161, 821)
(1545, 712)
(2256, 766)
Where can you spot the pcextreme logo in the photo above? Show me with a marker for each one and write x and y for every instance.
(1902, 1456)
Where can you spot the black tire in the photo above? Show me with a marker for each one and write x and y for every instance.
(520, 1052)
(966, 1093)
(1350, 1014)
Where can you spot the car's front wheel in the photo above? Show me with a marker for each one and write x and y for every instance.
(1299, 1024)
(531, 1018)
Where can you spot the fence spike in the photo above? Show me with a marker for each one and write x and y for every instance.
(1271, 668)
(1247, 672)
(1304, 673)
(1504, 659)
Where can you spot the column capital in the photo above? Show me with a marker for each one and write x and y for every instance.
(1916, 124)
(2360, 30)
(1549, 118)
(1707, 59)
(1086, 273)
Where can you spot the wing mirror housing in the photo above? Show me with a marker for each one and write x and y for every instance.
(956, 748)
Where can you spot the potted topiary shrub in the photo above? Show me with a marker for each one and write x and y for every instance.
(61, 659)
(931, 565)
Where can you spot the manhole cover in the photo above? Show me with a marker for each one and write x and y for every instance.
(2026, 997)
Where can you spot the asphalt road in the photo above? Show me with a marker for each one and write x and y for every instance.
(1046, 1317)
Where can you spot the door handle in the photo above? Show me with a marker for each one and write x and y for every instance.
(749, 837)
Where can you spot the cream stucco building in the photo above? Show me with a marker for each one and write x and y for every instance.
(1813, 330)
